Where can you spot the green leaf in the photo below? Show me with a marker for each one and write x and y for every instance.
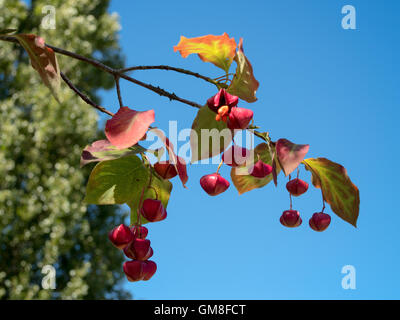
(337, 188)
(160, 189)
(245, 182)
(116, 181)
(243, 85)
(43, 60)
(216, 136)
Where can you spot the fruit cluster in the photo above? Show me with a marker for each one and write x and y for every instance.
(225, 105)
(135, 245)
(291, 218)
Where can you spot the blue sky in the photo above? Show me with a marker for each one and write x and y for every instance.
(335, 89)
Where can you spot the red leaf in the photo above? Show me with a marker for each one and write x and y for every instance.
(178, 162)
(290, 155)
(128, 126)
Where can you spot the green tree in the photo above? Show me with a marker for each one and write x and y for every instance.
(43, 220)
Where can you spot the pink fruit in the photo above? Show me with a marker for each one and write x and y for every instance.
(214, 184)
(291, 218)
(149, 269)
(260, 169)
(136, 270)
(139, 249)
(320, 221)
(121, 236)
(153, 210)
(222, 98)
(296, 187)
(239, 118)
(235, 156)
(140, 232)
(165, 169)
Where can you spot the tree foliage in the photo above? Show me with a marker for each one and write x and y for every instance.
(43, 220)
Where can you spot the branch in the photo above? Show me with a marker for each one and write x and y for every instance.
(83, 96)
(164, 67)
(121, 104)
(114, 72)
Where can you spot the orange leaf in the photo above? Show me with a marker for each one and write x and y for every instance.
(219, 50)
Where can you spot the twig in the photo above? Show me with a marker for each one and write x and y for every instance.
(118, 91)
(164, 67)
(83, 96)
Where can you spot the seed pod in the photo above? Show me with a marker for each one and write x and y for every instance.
(291, 218)
(121, 236)
(235, 156)
(320, 221)
(153, 210)
(214, 184)
(297, 187)
(260, 170)
(239, 118)
(165, 169)
(136, 270)
(222, 98)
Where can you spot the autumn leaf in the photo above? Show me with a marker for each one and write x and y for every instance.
(43, 60)
(290, 155)
(103, 150)
(245, 182)
(219, 50)
(208, 137)
(244, 84)
(337, 189)
(128, 126)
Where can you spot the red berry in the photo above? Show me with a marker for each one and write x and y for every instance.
(235, 156)
(222, 98)
(214, 184)
(320, 221)
(121, 236)
(291, 218)
(153, 210)
(239, 118)
(140, 232)
(139, 249)
(260, 169)
(165, 169)
(136, 270)
(296, 187)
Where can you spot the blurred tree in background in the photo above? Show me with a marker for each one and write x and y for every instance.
(42, 218)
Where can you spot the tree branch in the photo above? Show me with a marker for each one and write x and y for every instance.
(114, 72)
(83, 96)
(164, 67)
